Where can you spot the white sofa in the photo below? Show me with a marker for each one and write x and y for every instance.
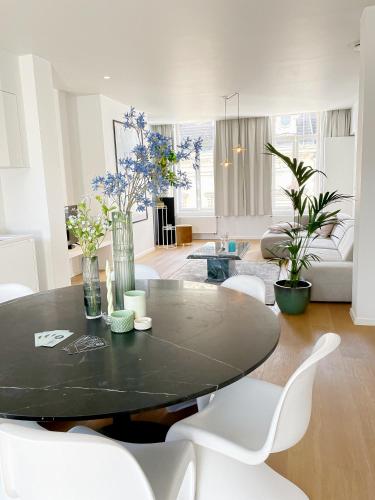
(332, 276)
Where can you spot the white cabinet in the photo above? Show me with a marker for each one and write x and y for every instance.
(18, 261)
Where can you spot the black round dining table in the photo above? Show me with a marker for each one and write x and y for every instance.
(203, 337)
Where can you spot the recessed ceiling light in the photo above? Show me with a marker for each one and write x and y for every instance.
(107, 77)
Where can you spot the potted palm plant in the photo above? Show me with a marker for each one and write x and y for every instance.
(310, 214)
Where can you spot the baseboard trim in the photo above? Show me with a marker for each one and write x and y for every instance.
(145, 252)
(215, 236)
(360, 321)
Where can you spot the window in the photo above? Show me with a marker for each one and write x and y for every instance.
(296, 136)
(201, 196)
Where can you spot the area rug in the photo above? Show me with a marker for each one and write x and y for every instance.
(196, 270)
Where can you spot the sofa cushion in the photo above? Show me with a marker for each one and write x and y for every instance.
(345, 245)
(325, 231)
(322, 243)
(280, 227)
(344, 222)
(343, 236)
(327, 254)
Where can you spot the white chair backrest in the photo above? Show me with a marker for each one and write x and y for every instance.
(142, 272)
(292, 415)
(251, 285)
(10, 291)
(41, 465)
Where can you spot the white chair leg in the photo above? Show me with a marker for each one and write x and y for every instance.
(221, 478)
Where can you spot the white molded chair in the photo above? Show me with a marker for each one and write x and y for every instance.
(10, 291)
(251, 285)
(243, 424)
(142, 272)
(44, 465)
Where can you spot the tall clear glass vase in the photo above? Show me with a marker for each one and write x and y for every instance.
(123, 255)
(91, 287)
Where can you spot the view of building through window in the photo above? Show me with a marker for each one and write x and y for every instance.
(296, 136)
(201, 196)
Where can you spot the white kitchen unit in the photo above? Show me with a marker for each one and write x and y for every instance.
(18, 261)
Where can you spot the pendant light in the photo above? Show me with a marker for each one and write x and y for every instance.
(225, 163)
(238, 149)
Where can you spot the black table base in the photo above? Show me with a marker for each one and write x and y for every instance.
(135, 431)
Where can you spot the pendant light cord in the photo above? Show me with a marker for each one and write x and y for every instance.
(238, 117)
(225, 127)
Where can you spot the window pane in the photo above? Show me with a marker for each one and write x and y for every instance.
(295, 136)
(188, 197)
(201, 196)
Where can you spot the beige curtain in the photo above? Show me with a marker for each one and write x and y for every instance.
(336, 123)
(244, 187)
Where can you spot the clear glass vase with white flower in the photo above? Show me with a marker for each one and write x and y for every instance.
(90, 231)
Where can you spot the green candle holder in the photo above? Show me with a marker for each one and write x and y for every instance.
(122, 321)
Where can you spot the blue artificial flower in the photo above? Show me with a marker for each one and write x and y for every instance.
(141, 121)
(150, 169)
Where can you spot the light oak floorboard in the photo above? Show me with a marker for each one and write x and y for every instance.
(336, 458)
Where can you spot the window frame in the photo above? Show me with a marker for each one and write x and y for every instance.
(198, 211)
(295, 140)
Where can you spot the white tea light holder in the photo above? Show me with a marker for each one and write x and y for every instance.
(143, 323)
(135, 300)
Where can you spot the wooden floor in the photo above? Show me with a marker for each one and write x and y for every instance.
(336, 458)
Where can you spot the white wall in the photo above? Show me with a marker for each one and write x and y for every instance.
(88, 150)
(33, 202)
(236, 227)
(339, 157)
(114, 110)
(363, 311)
(10, 82)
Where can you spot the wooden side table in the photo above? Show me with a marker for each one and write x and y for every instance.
(184, 234)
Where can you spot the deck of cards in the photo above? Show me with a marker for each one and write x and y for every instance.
(51, 338)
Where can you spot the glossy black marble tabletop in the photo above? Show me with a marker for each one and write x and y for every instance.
(203, 338)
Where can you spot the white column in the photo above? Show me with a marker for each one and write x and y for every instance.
(33, 196)
(363, 307)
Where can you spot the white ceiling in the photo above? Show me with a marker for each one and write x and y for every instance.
(175, 58)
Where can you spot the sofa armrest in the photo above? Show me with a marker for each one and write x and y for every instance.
(331, 281)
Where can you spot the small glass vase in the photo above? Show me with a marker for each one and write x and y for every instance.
(123, 255)
(91, 287)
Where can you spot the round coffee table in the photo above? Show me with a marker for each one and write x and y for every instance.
(203, 337)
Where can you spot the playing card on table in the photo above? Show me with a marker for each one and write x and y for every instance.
(51, 338)
(40, 337)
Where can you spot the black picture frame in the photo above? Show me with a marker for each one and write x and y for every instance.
(122, 150)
